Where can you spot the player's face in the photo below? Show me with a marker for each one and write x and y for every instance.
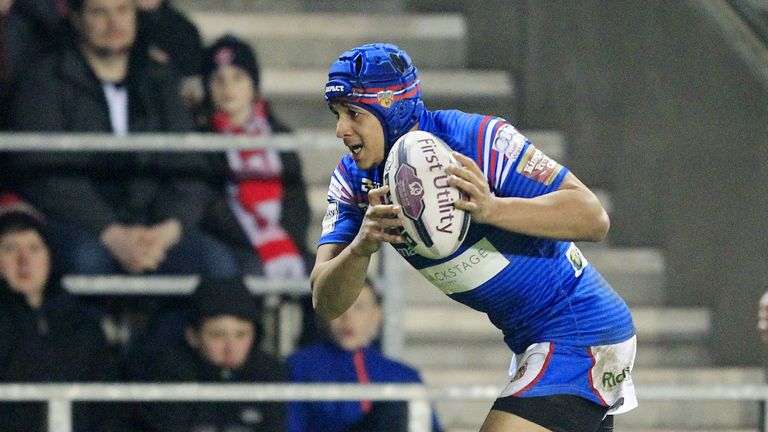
(225, 340)
(357, 327)
(362, 134)
(232, 91)
(107, 27)
(25, 262)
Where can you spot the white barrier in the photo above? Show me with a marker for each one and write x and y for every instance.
(60, 396)
(310, 139)
(303, 140)
(172, 285)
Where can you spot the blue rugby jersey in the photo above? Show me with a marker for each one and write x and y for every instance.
(533, 289)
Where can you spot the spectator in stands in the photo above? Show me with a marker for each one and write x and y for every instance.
(266, 189)
(171, 38)
(221, 346)
(109, 211)
(45, 334)
(351, 356)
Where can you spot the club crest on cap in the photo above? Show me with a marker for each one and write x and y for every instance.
(224, 56)
(386, 98)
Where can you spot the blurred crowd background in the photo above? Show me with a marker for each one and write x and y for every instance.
(661, 106)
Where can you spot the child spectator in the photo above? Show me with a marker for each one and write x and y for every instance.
(266, 191)
(45, 334)
(350, 356)
(221, 346)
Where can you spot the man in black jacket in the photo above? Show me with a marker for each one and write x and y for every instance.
(132, 212)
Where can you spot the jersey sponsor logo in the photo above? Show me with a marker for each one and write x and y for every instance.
(509, 142)
(535, 165)
(330, 218)
(612, 379)
(405, 251)
(611, 375)
(468, 270)
(577, 259)
(386, 98)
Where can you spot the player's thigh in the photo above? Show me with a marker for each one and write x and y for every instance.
(499, 421)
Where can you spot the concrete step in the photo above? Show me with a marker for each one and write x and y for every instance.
(682, 415)
(297, 6)
(297, 98)
(627, 429)
(641, 376)
(496, 356)
(318, 165)
(451, 323)
(637, 274)
(306, 84)
(649, 416)
(313, 39)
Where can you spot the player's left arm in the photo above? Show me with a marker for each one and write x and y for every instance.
(572, 212)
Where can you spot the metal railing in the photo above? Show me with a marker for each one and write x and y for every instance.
(300, 141)
(60, 397)
(24, 141)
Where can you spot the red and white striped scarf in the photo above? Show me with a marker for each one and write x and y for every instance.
(256, 190)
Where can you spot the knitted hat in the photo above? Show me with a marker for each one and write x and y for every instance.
(382, 79)
(229, 50)
(17, 219)
(214, 298)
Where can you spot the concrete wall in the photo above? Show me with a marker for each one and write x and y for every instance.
(660, 111)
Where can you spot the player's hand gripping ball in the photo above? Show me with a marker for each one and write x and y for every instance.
(418, 183)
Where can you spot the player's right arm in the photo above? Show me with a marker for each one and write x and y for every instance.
(340, 268)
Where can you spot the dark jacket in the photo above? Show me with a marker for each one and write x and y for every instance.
(183, 364)
(31, 29)
(174, 34)
(61, 93)
(60, 342)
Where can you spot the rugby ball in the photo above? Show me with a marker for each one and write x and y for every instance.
(418, 183)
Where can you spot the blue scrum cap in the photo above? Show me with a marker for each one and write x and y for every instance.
(381, 78)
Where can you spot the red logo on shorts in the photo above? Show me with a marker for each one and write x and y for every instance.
(520, 372)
